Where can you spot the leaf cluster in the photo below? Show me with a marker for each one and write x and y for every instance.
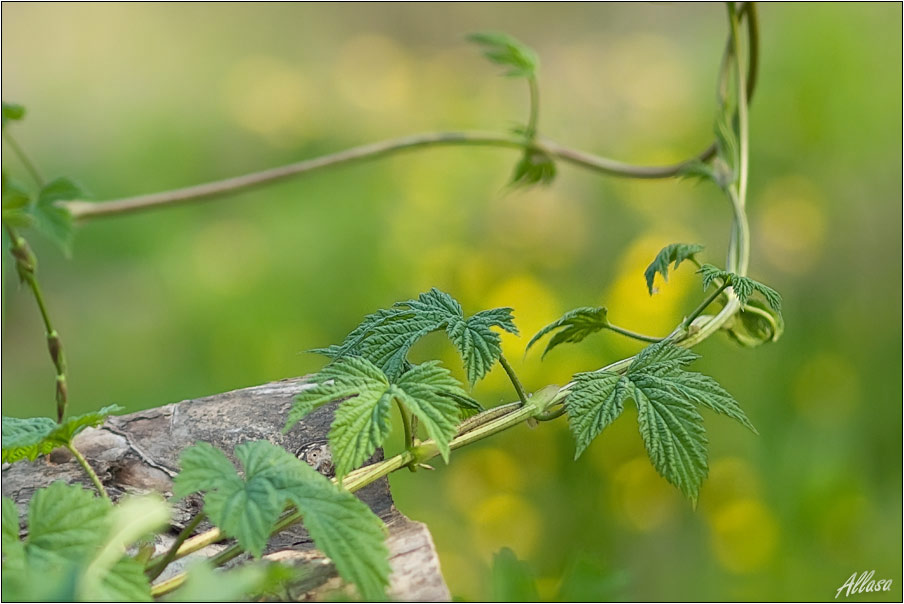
(247, 506)
(743, 287)
(363, 423)
(34, 436)
(535, 167)
(520, 60)
(573, 326)
(75, 546)
(666, 396)
(22, 209)
(672, 254)
(385, 337)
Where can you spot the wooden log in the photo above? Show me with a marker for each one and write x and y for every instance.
(138, 453)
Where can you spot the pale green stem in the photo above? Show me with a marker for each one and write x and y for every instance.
(155, 567)
(88, 470)
(513, 377)
(23, 157)
(699, 310)
(633, 334)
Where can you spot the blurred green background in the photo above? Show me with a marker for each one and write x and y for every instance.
(200, 299)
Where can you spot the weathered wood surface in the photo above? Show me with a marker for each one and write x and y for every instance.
(138, 453)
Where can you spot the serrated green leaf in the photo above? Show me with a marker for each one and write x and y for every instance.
(505, 50)
(674, 253)
(534, 167)
(363, 419)
(26, 438)
(66, 522)
(35, 436)
(596, 400)
(385, 337)
(12, 112)
(247, 508)
(55, 221)
(743, 287)
(427, 391)
(673, 434)
(203, 467)
(665, 395)
(578, 324)
(347, 531)
(247, 511)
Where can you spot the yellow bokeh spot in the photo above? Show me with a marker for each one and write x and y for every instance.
(730, 478)
(535, 306)
(791, 224)
(744, 535)
(476, 476)
(373, 73)
(630, 303)
(269, 97)
(642, 497)
(826, 388)
(504, 520)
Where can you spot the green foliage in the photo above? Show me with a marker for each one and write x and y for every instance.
(54, 221)
(43, 213)
(502, 49)
(512, 579)
(28, 438)
(665, 395)
(12, 113)
(386, 336)
(16, 204)
(78, 540)
(362, 420)
(575, 325)
(743, 287)
(674, 253)
(757, 325)
(247, 507)
(534, 167)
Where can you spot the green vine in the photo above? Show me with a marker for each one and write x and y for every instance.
(369, 372)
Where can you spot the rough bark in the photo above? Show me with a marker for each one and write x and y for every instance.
(138, 453)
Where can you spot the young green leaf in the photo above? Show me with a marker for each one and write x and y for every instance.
(674, 253)
(386, 336)
(534, 167)
(242, 507)
(362, 420)
(31, 437)
(55, 221)
(247, 507)
(15, 204)
(12, 112)
(743, 287)
(575, 325)
(502, 49)
(665, 395)
(65, 522)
